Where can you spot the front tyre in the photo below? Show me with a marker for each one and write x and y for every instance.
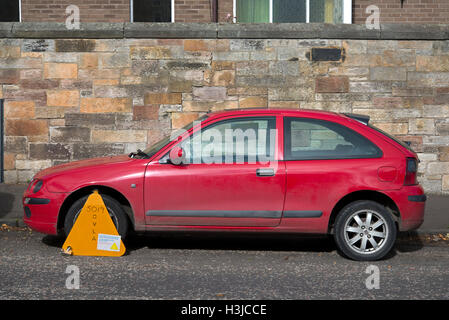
(365, 231)
(114, 208)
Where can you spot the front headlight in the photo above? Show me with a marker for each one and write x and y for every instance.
(38, 186)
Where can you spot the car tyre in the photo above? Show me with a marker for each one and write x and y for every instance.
(365, 231)
(114, 208)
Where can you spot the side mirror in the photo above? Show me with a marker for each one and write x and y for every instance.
(177, 156)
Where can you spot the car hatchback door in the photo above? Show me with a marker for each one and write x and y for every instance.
(231, 177)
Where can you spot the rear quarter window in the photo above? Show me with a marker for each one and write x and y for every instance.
(312, 139)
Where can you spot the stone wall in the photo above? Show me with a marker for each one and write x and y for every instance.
(70, 99)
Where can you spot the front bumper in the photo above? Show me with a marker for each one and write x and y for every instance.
(41, 210)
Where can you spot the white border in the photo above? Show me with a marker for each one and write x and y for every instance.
(347, 11)
(307, 11)
(20, 10)
(131, 10)
(271, 11)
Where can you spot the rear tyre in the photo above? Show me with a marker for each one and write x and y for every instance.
(114, 208)
(365, 231)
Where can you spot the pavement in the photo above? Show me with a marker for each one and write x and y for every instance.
(436, 218)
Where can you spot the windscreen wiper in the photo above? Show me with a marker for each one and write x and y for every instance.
(138, 153)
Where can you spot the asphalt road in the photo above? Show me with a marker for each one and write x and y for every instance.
(184, 266)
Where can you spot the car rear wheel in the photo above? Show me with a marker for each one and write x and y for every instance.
(365, 231)
(114, 208)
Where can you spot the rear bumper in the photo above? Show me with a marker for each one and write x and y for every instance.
(411, 202)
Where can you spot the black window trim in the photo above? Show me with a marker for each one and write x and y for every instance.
(287, 135)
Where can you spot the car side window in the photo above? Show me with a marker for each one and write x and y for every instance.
(312, 139)
(239, 140)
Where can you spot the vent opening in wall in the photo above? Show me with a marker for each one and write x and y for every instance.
(326, 54)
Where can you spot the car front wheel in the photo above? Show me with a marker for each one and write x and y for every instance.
(114, 208)
(365, 231)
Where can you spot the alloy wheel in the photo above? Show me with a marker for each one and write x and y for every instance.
(366, 232)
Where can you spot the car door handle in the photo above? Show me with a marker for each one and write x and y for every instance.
(265, 172)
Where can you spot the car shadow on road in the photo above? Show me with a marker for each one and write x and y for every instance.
(409, 242)
(53, 241)
(219, 241)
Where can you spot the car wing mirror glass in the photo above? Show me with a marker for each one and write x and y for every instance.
(177, 156)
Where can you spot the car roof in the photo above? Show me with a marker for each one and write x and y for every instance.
(275, 111)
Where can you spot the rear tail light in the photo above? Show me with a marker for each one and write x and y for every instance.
(411, 172)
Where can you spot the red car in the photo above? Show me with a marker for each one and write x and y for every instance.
(261, 170)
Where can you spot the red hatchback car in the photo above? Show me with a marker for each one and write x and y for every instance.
(261, 170)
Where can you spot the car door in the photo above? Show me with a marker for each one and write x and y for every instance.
(324, 162)
(231, 178)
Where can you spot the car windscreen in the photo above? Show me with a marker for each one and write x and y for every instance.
(152, 150)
